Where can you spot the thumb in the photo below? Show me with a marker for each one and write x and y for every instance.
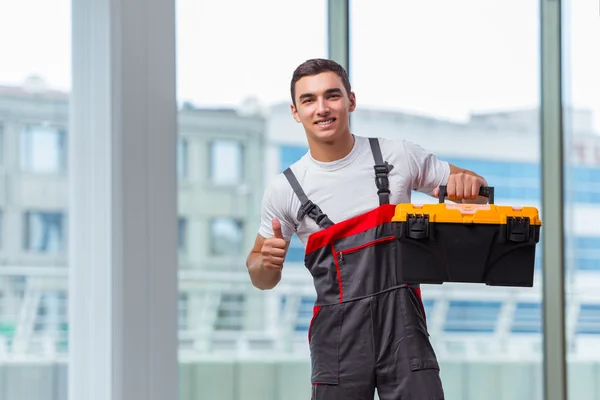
(277, 229)
(436, 191)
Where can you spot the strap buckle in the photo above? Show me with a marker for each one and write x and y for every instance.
(381, 177)
(312, 210)
(308, 208)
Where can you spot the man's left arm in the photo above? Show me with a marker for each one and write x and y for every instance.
(428, 172)
(463, 186)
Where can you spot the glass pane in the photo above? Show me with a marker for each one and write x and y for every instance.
(581, 60)
(226, 160)
(34, 119)
(458, 80)
(227, 237)
(43, 149)
(235, 61)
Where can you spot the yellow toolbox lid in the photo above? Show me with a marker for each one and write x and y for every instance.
(466, 213)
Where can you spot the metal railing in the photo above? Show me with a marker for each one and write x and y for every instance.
(222, 315)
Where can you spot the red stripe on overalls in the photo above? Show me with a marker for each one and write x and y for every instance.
(339, 272)
(352, 226)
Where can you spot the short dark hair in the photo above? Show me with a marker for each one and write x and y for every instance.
(316, 66)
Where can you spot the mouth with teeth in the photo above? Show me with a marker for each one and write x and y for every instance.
(325, 122)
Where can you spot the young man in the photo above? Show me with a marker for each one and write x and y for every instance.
(368, 330)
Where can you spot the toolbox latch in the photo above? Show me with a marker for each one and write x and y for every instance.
(517, 229)
(417, 226)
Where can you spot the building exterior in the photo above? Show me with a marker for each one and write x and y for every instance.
(225, 158)
(219, 196)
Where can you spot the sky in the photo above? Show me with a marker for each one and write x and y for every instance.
(436, 57)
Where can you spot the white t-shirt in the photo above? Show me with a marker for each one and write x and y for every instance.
(346, 188)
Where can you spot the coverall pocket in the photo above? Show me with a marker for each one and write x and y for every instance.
(367, 268)
(324, 336)
(420, 351)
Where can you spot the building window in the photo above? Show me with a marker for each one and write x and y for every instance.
(226, 160)
(230, 316)
(1, 144)
(43, 149)
(226, 237)
(183, 308)
(44, 232)
(182, 158)
(472, 316)
(182, 233)
(52, 314)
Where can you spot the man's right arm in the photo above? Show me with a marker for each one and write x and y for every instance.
(266, 259)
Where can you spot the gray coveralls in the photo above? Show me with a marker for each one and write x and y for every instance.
(368, 329)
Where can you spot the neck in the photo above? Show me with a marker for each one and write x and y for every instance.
(331, 151)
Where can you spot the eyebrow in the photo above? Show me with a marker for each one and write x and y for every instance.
(328, 91)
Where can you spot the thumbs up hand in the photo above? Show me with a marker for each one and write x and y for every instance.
(274, 249)
(277, 229)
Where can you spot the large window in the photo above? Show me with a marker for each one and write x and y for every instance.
(234, 70)
(581, 61)
(35, 80)
(462, 80)
(459, 78)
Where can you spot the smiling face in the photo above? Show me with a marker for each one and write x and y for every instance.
(322, 106)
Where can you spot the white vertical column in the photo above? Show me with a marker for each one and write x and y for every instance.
(123, 209)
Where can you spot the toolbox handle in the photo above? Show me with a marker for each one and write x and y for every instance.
(485, 191)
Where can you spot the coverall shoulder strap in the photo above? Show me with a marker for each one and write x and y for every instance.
(308, 207)
(382, 169)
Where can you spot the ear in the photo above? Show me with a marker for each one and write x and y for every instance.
(295, 113)
(352, 99)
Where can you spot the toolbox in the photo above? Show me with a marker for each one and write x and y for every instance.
(470, 243)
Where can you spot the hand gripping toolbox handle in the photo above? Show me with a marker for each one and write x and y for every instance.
(485, 191)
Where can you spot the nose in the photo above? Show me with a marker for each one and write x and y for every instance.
(322, 107)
